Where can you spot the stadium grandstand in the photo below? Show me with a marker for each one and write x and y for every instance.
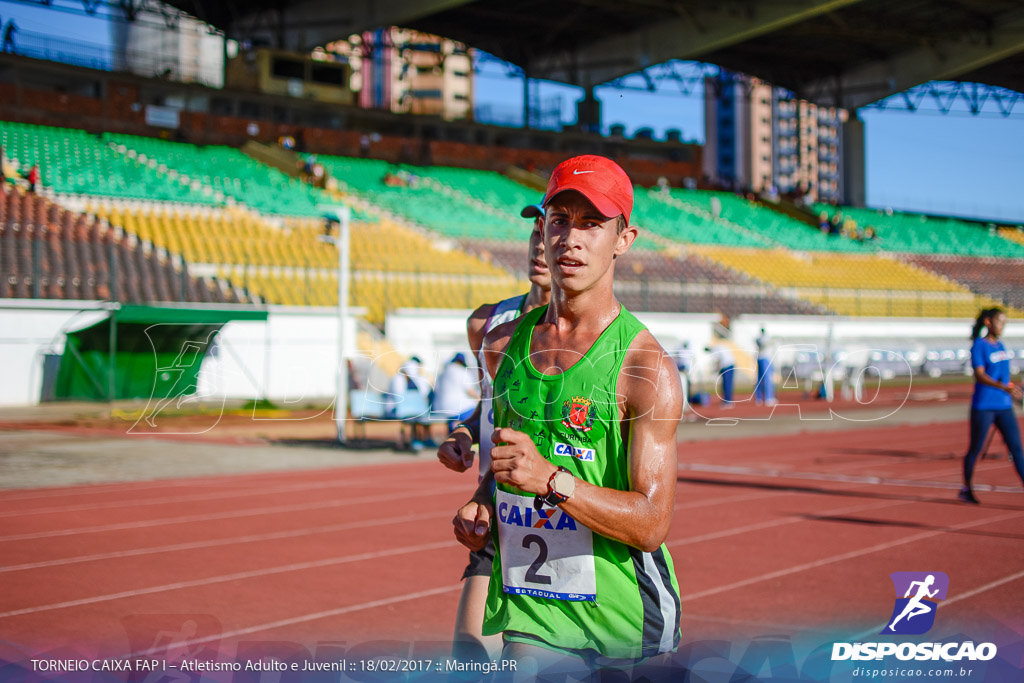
(446, 236)
(218, 202)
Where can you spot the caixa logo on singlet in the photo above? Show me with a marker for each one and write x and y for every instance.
(567, 451)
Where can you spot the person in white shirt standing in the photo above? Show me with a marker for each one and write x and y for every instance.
(457, 391)
(684, 363)
(726, 362)
(764, 391)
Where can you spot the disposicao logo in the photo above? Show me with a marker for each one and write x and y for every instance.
(917, 596)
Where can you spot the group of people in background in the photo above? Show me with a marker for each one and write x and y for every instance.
(452, 399)
(11, 172)
(840, 226)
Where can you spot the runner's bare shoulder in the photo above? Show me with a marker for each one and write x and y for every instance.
(476, 325)
(649, 381)
(495, 343)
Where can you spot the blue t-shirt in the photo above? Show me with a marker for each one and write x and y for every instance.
(996, 361)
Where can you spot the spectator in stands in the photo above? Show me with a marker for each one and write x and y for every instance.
(33, 178)
(834, 224)
(849, 227)
(764, 391)
(457, 391)
(9, 32)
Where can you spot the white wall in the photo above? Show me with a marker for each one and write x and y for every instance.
(860, 334)
(29, 330)
(292, 357)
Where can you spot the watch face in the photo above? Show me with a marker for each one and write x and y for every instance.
(564, 484)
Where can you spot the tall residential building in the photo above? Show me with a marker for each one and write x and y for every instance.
(410, 72)
(760, 137)
(167, 43)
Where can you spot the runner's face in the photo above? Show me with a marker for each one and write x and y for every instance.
(580, 242)
(996, 324)
(539, 273)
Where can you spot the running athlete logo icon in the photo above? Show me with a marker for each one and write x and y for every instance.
(914, 612)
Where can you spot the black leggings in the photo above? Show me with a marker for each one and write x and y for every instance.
(1006, 423)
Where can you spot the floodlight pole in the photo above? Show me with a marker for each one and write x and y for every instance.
(341, 400)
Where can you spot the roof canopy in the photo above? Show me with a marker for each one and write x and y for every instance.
(844, 52)
(142, 352)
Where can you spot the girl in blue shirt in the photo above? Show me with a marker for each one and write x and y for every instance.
(993, 396)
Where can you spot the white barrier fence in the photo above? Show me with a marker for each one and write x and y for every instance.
(291, 358)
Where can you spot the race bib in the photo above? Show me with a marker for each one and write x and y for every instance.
(544, 553)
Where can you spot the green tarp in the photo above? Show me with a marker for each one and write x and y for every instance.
(157, 352)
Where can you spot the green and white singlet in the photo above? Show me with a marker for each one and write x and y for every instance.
(554, 579)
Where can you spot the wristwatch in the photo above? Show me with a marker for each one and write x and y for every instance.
(561, 486)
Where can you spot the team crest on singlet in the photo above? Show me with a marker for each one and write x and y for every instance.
(577, 413)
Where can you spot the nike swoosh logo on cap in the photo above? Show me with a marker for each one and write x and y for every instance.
(577, 171)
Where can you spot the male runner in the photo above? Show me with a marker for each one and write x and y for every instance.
(456, 453)
(584, 473)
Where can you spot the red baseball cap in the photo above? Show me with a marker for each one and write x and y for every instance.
(599, 179)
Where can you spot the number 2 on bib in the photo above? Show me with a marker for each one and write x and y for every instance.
(546, 553)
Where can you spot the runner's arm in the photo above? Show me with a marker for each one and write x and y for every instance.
(456, 453)
(983, 378)
(472, 521)
(651, 407)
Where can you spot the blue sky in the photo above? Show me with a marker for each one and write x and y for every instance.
(950, 164)
(947, 164)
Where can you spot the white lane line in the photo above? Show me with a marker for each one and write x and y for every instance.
(301, 619)
(248, 512)
(237, 576)
(791, 519)
(324, 529)
(981, 589)
(841, 478)
(213, 495)
(215, 480)
(221, 542)
(839, 558)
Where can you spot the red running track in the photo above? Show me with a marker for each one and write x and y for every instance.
(770, 534)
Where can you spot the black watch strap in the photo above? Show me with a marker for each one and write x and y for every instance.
(552, 498)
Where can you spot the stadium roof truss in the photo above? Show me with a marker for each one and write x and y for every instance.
(844, 52)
